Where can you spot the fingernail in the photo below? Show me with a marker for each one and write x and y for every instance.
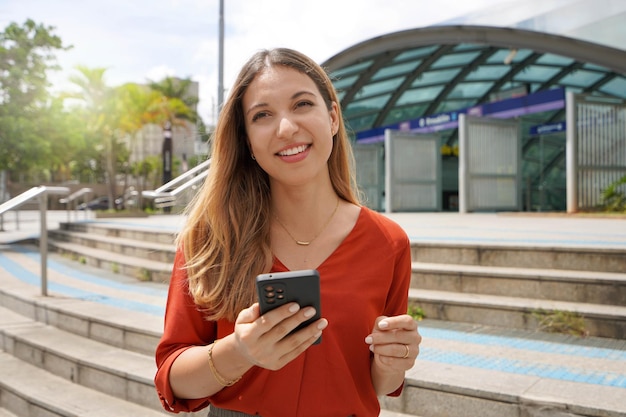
(309, 312)
(369, 340)
(383, 324)
(294, 307)
(322, 325)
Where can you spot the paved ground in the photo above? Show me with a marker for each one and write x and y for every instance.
(535, 229)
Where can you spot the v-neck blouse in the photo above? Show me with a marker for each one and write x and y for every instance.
(367, 276)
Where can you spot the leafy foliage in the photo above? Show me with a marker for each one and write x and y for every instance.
(26, 54)
(416, 312)
(82, 134)
(565, 322)
(614, 196)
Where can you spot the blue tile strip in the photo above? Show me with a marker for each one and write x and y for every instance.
(28, 277)
(571, 374)
(569, 348)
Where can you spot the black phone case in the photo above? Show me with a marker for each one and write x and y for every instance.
(303, 287)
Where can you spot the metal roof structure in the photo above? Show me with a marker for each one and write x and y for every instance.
(426, 71)
(395, 80)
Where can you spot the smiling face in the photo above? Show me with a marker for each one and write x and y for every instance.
(289, 126)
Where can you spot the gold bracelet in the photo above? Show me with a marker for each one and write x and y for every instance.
(219, 378)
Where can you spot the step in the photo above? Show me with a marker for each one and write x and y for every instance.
(467, 370)
(137, 332)
(516, 312)
(140, 268)
(145, 249)
(547, 284)
(97, 365)
(29, 391)
(121, 229)
(523, 256)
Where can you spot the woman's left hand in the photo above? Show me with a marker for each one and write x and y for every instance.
(395, 342)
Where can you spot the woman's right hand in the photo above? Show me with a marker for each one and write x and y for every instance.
(265, 341)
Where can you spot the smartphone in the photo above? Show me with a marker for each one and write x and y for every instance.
(303, 287)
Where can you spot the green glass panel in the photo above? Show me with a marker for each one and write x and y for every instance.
(367, 105)
(615, 87)
(595, 67)
(581, 78)
(417, 95)
(551, 59)
(379, 88)
(346, 82)
(468, 46)
(465, 90)
(488, 72)
(394, 70)
(351, 69)
(436, 77)
(452, 105)
(536, 73)
(499, 56)
(415, 53)
(401, 114)
(360, 123)
(453, 60)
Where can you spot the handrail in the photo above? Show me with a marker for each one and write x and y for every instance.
(72, 199)
(165, 196)
(41, 193)
(181, 178)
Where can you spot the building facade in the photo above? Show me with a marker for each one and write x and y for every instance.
(514, 61)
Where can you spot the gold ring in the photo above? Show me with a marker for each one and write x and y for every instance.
(406, 355)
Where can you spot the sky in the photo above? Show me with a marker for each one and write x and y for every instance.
(146, 40)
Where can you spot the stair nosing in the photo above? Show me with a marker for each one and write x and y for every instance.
(517, 303)
(522, 272)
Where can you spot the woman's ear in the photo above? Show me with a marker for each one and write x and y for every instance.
(334, 118)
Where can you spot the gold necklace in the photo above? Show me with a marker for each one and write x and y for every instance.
(304, 242)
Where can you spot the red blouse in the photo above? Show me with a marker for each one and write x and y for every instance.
(367, 276)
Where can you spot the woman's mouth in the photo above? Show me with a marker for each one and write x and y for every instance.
(293, 151)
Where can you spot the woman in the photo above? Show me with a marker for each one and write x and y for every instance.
(281, 196)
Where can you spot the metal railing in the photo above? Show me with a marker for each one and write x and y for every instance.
(165, 196)
(41, 193)
(168, 194)
(70, 201)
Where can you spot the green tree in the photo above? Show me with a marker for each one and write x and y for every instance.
(100, 112)
(62, 132)
(26, 54)
(177, 90)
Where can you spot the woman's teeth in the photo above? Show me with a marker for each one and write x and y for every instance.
(293, 151)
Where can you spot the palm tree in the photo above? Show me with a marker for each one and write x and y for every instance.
(99, 112)
(179, 88)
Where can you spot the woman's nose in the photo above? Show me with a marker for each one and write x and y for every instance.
(286, 127)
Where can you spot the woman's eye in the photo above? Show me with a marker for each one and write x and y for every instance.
(258, 116)
(304, 103)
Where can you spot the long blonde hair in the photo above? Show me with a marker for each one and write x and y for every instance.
(226, 238)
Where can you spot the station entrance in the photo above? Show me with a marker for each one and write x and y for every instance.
(505, 161)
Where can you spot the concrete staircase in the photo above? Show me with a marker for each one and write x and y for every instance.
(508, 286)
(518, 286)
(87, 349)
(66, 356)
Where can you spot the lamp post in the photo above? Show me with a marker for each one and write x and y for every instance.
(166, 152)
(220, 69)
(167, 157)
